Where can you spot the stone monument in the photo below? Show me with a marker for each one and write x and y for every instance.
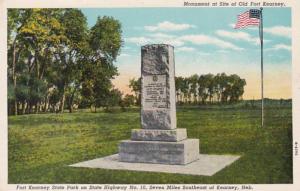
(159, 141)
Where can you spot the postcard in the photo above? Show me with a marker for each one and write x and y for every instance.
(149, 95)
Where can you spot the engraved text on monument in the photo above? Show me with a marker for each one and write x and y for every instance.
(154, 94)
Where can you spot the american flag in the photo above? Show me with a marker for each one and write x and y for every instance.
(248, 18)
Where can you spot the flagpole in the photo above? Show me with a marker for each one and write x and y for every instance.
(262, 66)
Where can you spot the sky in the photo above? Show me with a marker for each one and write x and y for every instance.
(205, 42)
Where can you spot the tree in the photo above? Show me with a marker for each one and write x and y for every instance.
(70, 55)
(16, 20)
(128, 100)
(135, 86)
(236, 87)
(54, 98)
(34, 34)
(115, 98)
(105, 39)
(203, 88)
(49, 51)
(193, 81)
(73, 96)
(104, 46)
(179, 85)
(220, 81)
(185, 89)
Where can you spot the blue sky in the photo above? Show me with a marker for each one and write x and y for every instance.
(206, 42)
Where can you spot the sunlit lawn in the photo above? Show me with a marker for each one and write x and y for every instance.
(42, 146)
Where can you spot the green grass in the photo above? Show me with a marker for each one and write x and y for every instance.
(42, 146)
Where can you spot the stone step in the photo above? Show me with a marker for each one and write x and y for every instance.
(182, 152)
(158, 135)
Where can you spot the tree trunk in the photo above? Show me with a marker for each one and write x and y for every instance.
(46, 104)
(62, 104)
(37, 67)
(37, 107)
(14, 76)
(24, 105)
(29, 108)
(71, 101)
(71, 109)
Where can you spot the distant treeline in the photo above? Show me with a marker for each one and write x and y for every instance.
(203, 89)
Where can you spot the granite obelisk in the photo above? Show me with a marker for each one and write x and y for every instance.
(158, 141)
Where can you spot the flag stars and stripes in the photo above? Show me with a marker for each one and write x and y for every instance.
(248, 18)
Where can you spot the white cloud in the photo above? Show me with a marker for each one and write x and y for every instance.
(238, 36)
(222, 51)
(201, 39)
(138, 40)
(279, 31)
(168, 26)
(201, 53)
(185, 49)
(156, 38)
(232, 25)
(179, 41)
(165, 39)
(168, 39)
(280, 47)
(161, 35)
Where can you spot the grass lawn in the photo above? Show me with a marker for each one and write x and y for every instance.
(41, 147)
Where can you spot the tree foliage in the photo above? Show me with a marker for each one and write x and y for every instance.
(55, 61)
(136, 86)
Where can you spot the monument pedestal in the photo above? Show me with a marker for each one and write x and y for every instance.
(181, 152)
(158, 135)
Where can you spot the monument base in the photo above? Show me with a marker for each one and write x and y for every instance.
(173, 135)
(181, 152)
(206, 165)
